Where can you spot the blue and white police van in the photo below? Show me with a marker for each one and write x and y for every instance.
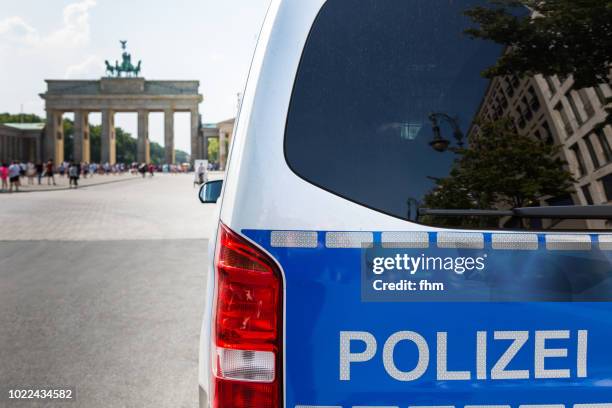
(339, 277)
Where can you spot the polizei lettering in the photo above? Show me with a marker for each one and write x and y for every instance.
(547, 349)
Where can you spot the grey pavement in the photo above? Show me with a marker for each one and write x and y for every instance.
(162, 207)
(62, 183)
(103, 289)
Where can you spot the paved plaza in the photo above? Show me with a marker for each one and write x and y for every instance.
(62, 183)
(162, 207)
(103, 289)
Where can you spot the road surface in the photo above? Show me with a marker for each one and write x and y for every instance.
(102, 289)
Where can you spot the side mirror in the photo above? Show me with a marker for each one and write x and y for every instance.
(210, 191)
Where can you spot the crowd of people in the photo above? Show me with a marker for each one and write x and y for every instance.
(15, 173)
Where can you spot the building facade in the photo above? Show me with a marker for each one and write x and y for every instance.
(549, 109)
(112, 95)
(224, 131)
(21, 141)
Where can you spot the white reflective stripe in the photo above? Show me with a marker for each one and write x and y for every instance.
(542, 406)
(605, 242)
(514, 241)
(318, 406)
(348, 239)
(431, 406)
(294, 239)
(487, 406)
(244, 365)
(608, 405)
(466, 240)
(568, 242)
(412, 239)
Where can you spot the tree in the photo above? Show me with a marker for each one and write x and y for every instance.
(181, 156)
(501, 168)
(213, 150)
(68, 126)
(126, 146)
(20, 118)
(566, 37)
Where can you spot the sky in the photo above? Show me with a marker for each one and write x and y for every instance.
(207, 40)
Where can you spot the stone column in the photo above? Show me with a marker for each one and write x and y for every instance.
(195, 133)
(108, 143)
(169, 135)
(54, 137)
(81, 137)
(143, 155)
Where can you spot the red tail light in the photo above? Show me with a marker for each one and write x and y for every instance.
(247, 326)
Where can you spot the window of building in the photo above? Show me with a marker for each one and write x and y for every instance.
(551, 85)
(605, 145)
(526, 109)
(565, 199)
(600, 95)
(534, 102)
(586, 102)
(538, 135)
(586, 192)
(509, 87)
(579, 160)
(520, 120)
(548, 137)
(606, 182)
(567, 126)
(574, 108)
(592, 153)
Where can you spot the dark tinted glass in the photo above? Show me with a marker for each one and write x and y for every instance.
(389, 98)
(210, 191)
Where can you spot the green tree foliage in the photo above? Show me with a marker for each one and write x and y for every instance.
(500, 168)
(181, 156)
(157, 153)
(20, 118)
(126, 144)
(213, 150)
(566, 37)
(68, 139)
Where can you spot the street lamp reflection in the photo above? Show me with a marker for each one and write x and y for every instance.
(438, 142)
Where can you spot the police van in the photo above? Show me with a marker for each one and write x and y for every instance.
(395, 230)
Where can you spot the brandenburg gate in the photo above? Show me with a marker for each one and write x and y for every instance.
(117, 94)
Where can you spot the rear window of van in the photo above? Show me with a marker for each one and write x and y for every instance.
(390, 99)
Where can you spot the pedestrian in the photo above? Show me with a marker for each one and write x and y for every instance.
(14, 174)
(142, 169)
(49, 172)
(151, 169)
(4, 173)
(62, 169)
(30, 172)
(201, 173)
(39, 171)
(73, 174)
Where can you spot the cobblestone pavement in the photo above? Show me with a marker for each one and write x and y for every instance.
(102, 289)
(61, 183)
(162, 207)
